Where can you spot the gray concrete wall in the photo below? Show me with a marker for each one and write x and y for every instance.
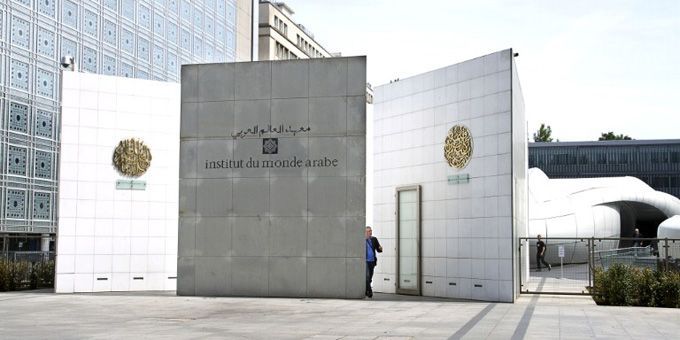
(284, 224)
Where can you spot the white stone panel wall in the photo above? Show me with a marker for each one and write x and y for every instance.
(109, 239)
(467, 229)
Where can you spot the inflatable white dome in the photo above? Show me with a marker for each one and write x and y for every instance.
(592, 207)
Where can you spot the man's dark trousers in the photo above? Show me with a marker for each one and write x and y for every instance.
(370, 266)
(541, 259)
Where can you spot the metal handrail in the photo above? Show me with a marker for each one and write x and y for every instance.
(660, 253)
(583, 239)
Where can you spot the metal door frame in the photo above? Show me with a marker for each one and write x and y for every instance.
(418, 290)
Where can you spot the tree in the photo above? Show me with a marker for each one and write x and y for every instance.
(612, 136)
(544, 134)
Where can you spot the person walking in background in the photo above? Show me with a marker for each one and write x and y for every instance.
(540, 254)
(372, 246)
(637, 238)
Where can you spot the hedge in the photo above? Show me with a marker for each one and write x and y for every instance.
(623, 285)
(18, 275)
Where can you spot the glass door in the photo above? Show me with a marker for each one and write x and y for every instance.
(408, 240)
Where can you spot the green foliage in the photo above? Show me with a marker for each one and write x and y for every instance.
(599, 279)
(4, 275)
(623, 285)
(612, 136)
(25, 275)
(618, 287)
(668, 290)
(19, 272)
(45, 273)
(544, 134)
(646, 280)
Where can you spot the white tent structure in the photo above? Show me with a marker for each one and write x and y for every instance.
(670, 228)
(593, 207)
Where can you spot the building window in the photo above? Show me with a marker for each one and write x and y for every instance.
(16, 160)
(91, 23)
(660, 182)
(46, 7)
(43, 124)
(18, 74)
(45, 83)
(282, 53)
(675, 182)
(659, 157)
(563, 159)
(15, 203)
(45, 42)
(18, 120)
(285, 29)
(41, 205)
(602, 158)
(89, 60)
(675, 157)
(43, 164)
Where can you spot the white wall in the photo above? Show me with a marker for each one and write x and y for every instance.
(467, 229)
(107, 238)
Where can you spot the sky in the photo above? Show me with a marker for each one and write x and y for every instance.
(585, 66)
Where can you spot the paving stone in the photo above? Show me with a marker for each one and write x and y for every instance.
(41, 314)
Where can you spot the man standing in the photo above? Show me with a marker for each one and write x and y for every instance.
(637, 238)
(372, 245)
(540, 254)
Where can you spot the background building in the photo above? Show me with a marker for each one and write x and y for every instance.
(281, 38)
(130, 38)
(655, 162)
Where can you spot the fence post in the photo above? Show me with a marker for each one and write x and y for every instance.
(665, 258)
(590, 265)
(591, 262)
(519, 249)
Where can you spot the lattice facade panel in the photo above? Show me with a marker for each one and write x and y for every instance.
(42, 205)
(17, 158)
(43, 164)
(131, 38)
(18, 117)
(15, 204)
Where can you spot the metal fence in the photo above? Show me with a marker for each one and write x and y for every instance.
(572, 261)
(21, 270)
(28, 256)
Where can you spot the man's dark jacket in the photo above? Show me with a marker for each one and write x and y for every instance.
(376, 247)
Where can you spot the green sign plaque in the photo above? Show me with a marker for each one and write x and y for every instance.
(459, 179)
(130, 184)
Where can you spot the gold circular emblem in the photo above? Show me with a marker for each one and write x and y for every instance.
(458, 146)
(131, 157)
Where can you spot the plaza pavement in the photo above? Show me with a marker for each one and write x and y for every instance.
(44, 315)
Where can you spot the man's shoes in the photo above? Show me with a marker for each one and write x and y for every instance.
(369, 294)
(549, 267)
